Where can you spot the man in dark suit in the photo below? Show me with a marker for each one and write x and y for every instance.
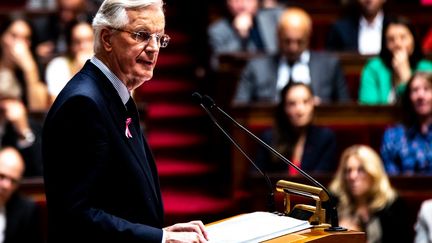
(264, 77)
(248, 28)
(100, 177)
(19, 218)
(17, 129)
(361, 31)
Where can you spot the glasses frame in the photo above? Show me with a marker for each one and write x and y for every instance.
(145, 37)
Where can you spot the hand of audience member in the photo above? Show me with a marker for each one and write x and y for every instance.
(242, 23)
(401, 66)
(15, 113)
(193, 231)
(21, 55)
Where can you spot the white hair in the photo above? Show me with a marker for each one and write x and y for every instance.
(112, 13)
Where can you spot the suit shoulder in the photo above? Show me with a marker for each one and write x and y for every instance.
(323, 55)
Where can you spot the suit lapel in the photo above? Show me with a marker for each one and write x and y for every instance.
(119, 114)
(315, 71)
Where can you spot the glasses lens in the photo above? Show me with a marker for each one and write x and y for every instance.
(143, 36)
(164, 41)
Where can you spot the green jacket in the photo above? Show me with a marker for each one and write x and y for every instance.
(376, 81)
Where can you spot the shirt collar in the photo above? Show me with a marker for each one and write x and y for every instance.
(304, 58)
(376, 23)
(116, 82)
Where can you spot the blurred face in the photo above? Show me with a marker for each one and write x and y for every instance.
(358, 181)
(82, 38)
(68, 10)
(371, 7)
(11, 169)
(18, 32)
(293, 40)
(133, 61)
(242, 6)
(421, 96)
(399, 38)
(299, 106)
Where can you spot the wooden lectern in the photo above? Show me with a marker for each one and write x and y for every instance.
(315, 234)
(318, 235)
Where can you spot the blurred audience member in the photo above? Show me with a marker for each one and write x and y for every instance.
(16, 129)
(248, 27)
(367, 201)
(360, 32)
(405, 147)
(310, 147)
(264, 77)
(19, 217)
(423, 226)
(384, 78)
(51, 30)
(80, 48)
(17, 59)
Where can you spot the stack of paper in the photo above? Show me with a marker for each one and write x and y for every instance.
(254, 227)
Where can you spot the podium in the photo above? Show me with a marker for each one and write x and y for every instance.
(315, 234)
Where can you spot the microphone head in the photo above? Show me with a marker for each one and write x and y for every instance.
(208, 102)
(197, 97)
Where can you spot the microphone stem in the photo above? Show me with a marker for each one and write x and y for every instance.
(334, 220)
(271, 203)
(310, 178)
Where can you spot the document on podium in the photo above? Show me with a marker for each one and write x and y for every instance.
(254, 227)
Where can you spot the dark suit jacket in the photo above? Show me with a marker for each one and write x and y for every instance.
(258, 79)
(32, 154)
(100, 185)
(22, 221)
(223, 38)
(343, 35)
(319, 154)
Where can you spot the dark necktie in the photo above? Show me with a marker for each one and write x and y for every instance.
(290, 77)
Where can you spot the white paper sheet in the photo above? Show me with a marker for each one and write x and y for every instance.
(254, 227)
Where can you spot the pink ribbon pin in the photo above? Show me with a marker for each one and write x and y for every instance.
(127, 131)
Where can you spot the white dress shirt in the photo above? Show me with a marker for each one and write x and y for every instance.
(299, 71)
(370, 35)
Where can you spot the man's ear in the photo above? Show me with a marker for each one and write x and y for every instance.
(106, 39)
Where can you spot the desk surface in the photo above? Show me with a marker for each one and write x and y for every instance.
(321, 236)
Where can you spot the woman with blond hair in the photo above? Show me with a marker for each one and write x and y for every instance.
(366, 200)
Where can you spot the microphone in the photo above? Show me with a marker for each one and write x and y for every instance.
(334, 220)
(204, 104)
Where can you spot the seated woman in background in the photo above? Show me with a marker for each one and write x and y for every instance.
(310, 147)
(384, 78)
(366, 200)
(16, 58)
(405, 147)
(60, 70)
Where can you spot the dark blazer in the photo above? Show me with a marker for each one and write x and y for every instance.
(32, 154)
(22, 221)
(343, 35)
(258, 79)
(100, 185)
(223, 38)
(395, 222)
(319, 153)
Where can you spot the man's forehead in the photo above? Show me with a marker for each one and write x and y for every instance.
(150, 17)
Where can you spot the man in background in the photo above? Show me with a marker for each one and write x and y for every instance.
(264, 77)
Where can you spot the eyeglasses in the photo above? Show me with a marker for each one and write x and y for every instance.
(145, 37)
